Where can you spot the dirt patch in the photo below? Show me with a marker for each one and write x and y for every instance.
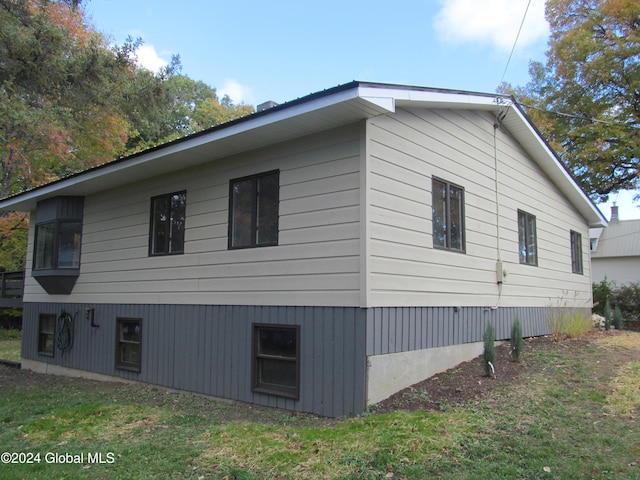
(466, 383)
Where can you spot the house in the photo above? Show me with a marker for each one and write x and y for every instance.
(316, 256)
(615, 250)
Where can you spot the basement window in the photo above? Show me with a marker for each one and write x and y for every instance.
(129, 344)
(276, 360)
(46, 334)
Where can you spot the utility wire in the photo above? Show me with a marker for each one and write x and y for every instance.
(515, 42)
(580, 117)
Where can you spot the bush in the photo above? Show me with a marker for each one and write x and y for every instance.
(489, 354)
(626, 297)
(617, 318)
(601, 293)
(10, 334)
(516, 341)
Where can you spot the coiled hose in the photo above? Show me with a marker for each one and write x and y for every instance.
(64, 332)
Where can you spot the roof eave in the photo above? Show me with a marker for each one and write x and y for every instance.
(324, 110)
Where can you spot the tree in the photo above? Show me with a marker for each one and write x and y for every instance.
(586, 98)
(59, 110)
(69, 101)
(168, 105)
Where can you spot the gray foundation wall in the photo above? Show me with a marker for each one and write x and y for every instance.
(207, 349)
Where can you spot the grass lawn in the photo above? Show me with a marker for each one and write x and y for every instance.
(10, 345)
(571, 414)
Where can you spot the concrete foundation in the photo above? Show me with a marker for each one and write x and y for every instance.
(387, 374)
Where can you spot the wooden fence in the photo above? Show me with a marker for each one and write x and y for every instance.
(11, 289)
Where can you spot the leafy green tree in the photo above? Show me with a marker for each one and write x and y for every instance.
(168, 105)
(586, 97)
(59, 111)
(69, 100)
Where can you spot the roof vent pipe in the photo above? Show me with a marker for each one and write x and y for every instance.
(266, 106)
(614, 213)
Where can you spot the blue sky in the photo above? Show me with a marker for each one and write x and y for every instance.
(281, 50)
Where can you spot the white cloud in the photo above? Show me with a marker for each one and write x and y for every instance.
(149, 58)
(237, 93)
(492, 22)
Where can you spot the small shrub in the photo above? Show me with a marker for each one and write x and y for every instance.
(10, 334)
(489, 354)
(627, 297)
(617, 318)
(516, 341)
(608, 316)
(601, 293)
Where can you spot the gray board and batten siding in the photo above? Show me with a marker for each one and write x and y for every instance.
(207, 349)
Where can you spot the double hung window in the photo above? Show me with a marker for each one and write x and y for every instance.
(276, 360)
(167, 224)
(46, 334)
(128, 344)
(576, 252)
(448, 215)
(527, 238)
(253, 210)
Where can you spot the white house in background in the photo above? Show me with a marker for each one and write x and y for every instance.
(318, 256)
(615, 251)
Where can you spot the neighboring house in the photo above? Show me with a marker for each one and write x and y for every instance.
(615, 251)
(316, 256)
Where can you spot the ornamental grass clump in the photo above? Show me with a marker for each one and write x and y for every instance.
(516, 341)
(489, 354)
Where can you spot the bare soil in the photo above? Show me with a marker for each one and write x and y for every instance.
(467, 382)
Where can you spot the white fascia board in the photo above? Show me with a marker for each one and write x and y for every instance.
(26, 200)
(433, 98)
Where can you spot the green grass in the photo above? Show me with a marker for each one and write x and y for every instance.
(10, 344)
(573, 416)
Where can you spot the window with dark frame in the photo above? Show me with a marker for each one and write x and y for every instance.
(276, 360)
(168, 213)
(448, 215)
(254, 210)
(46, 334)
(57, 245)
(527, 239)
(576, 252)
(129, 344)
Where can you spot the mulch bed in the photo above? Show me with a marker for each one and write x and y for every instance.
(466, 382)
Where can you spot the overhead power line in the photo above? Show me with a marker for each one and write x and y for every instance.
(515, 42)
(581, 117)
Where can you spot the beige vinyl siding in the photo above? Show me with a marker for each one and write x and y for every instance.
(407, 149)
(316, 262)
